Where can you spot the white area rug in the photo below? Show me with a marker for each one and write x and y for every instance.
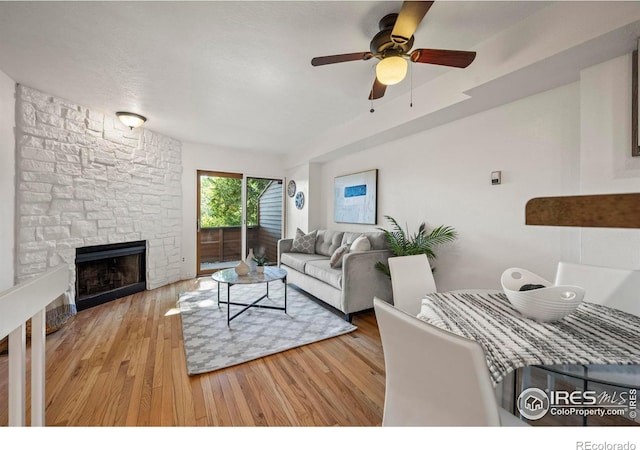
(210, 344)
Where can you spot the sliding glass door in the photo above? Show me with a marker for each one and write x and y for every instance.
(237, 214)
(219, 230)
(264, 200)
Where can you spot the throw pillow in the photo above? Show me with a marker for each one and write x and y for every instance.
(304, 243)
(336, 259)
(361, 244)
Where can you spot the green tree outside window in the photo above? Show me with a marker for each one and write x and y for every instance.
(221, 201)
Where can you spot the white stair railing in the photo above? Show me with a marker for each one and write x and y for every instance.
(18, 304)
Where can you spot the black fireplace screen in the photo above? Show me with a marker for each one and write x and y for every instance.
(108, 272)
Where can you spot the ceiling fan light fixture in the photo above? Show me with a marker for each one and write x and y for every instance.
(391, 46)
(131, 120)
(391, 70)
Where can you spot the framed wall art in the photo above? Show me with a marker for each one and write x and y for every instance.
(355, 198)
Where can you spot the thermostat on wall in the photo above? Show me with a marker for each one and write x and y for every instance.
(496, 177)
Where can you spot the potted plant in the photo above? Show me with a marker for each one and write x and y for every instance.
(261, 261)
(402, 243)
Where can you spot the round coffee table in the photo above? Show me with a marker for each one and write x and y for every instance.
(230, 277)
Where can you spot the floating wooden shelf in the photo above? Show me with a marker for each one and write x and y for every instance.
(605, 211)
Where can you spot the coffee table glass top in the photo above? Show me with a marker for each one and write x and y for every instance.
(271, 273)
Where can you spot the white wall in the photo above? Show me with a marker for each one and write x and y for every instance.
(442, 176)
(606, 162)
(311, 216)
(7, 178)
(203, 157)
(298, 218)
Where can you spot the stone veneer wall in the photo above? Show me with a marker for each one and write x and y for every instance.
(85, 179)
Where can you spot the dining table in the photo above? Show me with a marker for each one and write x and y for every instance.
(593, 334)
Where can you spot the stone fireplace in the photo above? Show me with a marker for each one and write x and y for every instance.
(83, 179)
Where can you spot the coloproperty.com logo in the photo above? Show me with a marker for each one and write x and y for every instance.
(534, 403)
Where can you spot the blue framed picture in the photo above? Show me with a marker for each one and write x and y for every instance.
(299, 200)
(355, 198)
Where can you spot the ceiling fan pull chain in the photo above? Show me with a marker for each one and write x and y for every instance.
(411, 86)
(371, 95)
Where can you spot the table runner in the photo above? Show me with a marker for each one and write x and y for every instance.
(592, 334)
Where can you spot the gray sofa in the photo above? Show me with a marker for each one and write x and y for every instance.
(349, 289)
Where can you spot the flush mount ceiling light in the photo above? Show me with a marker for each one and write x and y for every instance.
(131, 120)
(391, 70)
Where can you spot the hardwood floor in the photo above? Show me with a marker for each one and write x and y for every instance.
(123, 364)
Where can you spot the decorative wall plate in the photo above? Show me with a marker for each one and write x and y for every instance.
(291, 188)
(299, 200)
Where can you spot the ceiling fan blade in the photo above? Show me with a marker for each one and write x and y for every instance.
(377, 91)
(410, 16)
(332, 59)
(451, 58)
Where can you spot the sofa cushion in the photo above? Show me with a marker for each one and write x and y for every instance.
(321, 270)
(327, 241)
(335, 261)
(304, 243)
(376, 239)
(297, 261)
(361, 244)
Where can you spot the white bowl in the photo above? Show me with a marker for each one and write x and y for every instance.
(546, 304)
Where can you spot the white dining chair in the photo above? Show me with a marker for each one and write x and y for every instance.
(616, 288)
(433, 377)
(411, 280)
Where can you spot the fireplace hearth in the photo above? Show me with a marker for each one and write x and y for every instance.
(108, 272)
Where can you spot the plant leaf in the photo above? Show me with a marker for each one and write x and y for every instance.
(384, 268)
(402, 243)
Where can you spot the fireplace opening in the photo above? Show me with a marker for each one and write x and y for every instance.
(108, 272)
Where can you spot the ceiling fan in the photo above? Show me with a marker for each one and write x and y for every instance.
(391, 46)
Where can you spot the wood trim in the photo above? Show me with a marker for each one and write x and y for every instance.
(199, 173)
(635, 144)
(213, 173)
(605, 211)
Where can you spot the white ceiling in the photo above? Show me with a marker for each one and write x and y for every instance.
(232, 74)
